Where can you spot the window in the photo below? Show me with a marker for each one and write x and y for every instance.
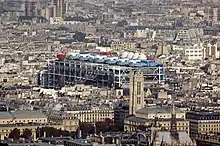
(138, 88)
(138, 100)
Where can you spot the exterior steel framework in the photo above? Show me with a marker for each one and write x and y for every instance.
(60, 73)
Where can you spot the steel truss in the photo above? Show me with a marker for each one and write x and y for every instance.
(60, 73)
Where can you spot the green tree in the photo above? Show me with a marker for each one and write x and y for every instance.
(142, 127)
(27, 133)
(108, 121)
(73, 134)
(14, 134)
(86, 129)
(57, 132)
(50, 131)
(65, 133)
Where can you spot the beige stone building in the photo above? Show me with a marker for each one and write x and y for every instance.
(204, 122)
(120, 46)
(140, 114)
(87, 115)
(69, 123)
(146, 116)
(16, 117)
(136, 100)
(32, 120)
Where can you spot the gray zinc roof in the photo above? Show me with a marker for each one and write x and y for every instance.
(157, 109)
(28, 114)
(136, 119)
(166, 138)
(5, 115)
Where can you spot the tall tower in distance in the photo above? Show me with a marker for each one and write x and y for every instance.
(136, 100)
(173, 128)
(60, 7)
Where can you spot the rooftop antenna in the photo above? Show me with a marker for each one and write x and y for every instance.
(173, 111)
(94, 124)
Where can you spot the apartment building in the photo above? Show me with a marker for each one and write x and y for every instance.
(162, 115)
(32, 120)
(189, 34)
(203, 122)
(87, 115)
(195, 52)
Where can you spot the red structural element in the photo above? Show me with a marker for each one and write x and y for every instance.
(106, 53)
(61, 56)
(149, 58)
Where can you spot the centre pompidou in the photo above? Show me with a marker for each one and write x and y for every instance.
(101, 70)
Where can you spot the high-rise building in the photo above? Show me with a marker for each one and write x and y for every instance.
(136, 100)
(31, 8)
(211, 50)
(215, 15)
(60, 7)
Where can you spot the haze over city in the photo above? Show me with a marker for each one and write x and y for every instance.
(109, 72)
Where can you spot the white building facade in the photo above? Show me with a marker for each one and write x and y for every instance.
(195, 52)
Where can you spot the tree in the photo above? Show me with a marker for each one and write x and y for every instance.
(14, 134)
(73, 134)
(27, 133)
(108, 121)
(57, 132)
(142, 127)
(49, 131)
(65, 133)
(86, 129)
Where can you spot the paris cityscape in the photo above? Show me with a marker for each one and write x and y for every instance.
(109, 72)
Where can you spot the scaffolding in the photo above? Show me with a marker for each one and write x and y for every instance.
(60, 73)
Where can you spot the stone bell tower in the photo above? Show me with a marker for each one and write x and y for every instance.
(136, 100)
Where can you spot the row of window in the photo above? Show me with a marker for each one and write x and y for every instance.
(178, 124)
(9, 130)
(210, 129)
(164, 116)
(98, 111)
(210, 125)
(194, 51)
(164, 124)
(23, 121)
(92, 119)
(200, 55)
(93, 115)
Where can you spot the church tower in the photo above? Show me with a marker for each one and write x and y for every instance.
(173, 129)
(136, 100)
